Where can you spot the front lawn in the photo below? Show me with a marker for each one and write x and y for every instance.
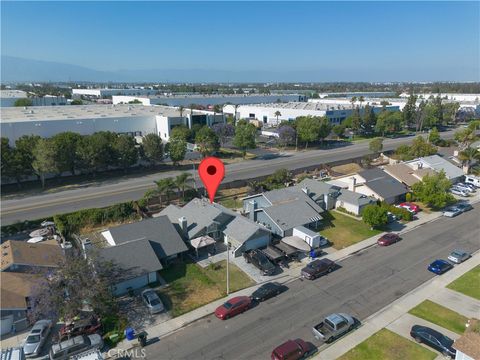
(388, 345)
(191, 286)
(468, 283)
(440, 315)
(343, 231)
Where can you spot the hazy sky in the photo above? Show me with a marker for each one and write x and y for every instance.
(388, 37)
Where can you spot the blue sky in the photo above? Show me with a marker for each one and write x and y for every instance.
(400, 39)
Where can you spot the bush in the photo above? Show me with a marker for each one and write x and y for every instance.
(400, 213)
(408, 197)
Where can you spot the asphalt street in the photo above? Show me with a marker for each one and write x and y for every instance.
(364, 284)
(119, 190)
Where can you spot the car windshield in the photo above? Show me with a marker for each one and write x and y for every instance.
(227, 305)
(457, 254)
(154, 302)
(32, 339)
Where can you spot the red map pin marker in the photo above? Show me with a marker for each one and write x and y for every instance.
(212, 172)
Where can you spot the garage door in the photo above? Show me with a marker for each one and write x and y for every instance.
(257, 243)
(6, 324)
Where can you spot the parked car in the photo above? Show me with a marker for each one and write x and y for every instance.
(317, 268)
(474, 180)
(152, 301)
(36, 338)
(87, 326)
(463, 187)
(260, 260)
(458, 256)
(293, 350)
(233, 307)
(333, 326)
(267, 291)
(434, 339)
(391, 218)
(468, 186)
(413, 208)
(464, 206)
(451, 211)
(439, 266)
(388, 239)
(75, 345)
(459, 192)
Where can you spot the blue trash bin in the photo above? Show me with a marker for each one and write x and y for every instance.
(129, 333)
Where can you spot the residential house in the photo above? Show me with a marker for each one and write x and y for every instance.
(353, 202)
(15, 292)
(437, 163)
(468, 345)
(283, 209)
(24, 257)
(200, 218)
(406, 174)
(141, 249)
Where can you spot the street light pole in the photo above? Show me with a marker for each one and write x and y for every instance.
(228, 259)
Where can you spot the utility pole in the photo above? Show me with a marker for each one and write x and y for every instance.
(228, 259)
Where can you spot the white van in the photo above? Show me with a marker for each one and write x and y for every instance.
(474, 180)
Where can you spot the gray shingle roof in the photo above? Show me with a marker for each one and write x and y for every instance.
(293, 193)
(438, 163)
(373, 174)
(386, 188)
(242, 229)
(135, 258)
(291, 214)
(316, 188)
(354, 198)
(162, 235)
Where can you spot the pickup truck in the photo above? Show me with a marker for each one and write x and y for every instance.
(317, 268)
(260, 261)
(333, 326)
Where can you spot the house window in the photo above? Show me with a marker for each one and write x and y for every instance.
(251, 116)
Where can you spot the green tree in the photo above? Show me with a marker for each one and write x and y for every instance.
(393, 122)
(164, 187)
(44, 159)
(325, 128)
(244, 136)
(376, 145)
(66, 144)
(308, 128)
(96, 152)
(126, 151)
(420, 148)
(369, 119)
(277, 115)
(354, 121)
(381, 124)
(465, 137)
(7, 158)
(207, 141)
(339, 130)
(375, 216)
(468, 156)
(152, 146)
(409, 110)
(433, 190)
(181, 182)
(177, 148)
(434, 136)
(24, 154)
(76, 102)
(23, 102)
(182, 132)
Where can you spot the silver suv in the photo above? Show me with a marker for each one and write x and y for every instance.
(75, 345)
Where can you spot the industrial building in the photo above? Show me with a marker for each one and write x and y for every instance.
(101, 93)
(136, 120)
(9, 97)
(207, 100)
(267, 113)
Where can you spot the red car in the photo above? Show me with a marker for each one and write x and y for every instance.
(233, 307)
(293, 350)
(410, 206)
(388, 239)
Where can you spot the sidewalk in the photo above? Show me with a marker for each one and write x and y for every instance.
(390, 314)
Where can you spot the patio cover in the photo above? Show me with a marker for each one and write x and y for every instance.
(201, 242)
(296, 242)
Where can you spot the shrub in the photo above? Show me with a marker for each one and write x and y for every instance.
(408, 197)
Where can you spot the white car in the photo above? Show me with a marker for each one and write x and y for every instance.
(451, 211)
(458, 256)
(152, 301)
(460, 192)
(36, 338)
(464, 187)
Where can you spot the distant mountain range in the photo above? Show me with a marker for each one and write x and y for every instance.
(14, 69)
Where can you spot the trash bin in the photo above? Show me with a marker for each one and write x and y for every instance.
(315, 253)
(130, 333)
(142, 338)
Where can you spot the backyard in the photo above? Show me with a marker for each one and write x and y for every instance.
(388, 345)
(464, 283)
(440, 315)
(191, 286)
(343, 230)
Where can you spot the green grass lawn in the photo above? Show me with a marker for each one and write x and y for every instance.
(468, 283)
(344, 231)
(440, 315)
(386, 345)
(191, 286)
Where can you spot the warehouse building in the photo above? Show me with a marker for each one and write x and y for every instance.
(267, 113)
(9, 97)
(102, 93)
(88, 119)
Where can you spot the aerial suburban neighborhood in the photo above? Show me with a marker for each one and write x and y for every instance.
(240, 180)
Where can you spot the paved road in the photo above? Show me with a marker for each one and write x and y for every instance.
(119, 190)
(364, 284)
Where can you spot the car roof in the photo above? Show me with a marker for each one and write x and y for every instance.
(287, 347)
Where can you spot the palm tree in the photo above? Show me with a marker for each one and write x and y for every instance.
(181, 182)
(353, 100)
(277, 114)
(361, 99)
(465, 137)
(164, 187)
(468, 156)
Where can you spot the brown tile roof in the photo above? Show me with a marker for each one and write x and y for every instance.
(402, 173)
(424, 171)
(469, 344)
(21, 252)
(15, 288)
